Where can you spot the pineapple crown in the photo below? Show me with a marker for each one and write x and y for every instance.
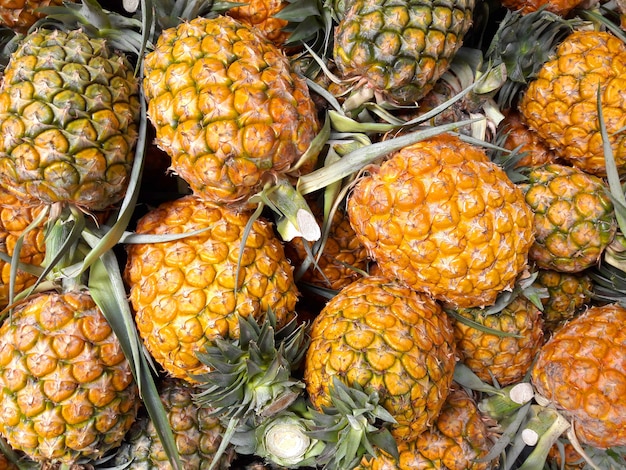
(523, 43)
(252, 376)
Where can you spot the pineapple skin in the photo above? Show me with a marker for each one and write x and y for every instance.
(492, 357)
(227, 108)
(400, 48)
(458, 438)
(20, 15)
(443, 219)
(186, 293)
(388, 339)
(581, 370)
(15, 217)
(573, 217)
(197, 434)
(560, 103)
(69, 111)
(67, 390)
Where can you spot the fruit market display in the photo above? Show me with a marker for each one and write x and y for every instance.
(318, 234)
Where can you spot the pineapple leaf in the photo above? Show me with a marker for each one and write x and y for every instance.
(107, 289)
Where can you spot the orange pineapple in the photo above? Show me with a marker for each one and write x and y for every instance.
(561, 102)
(457, 440)
(188, 292)
(390, 340)
(440, 217)
(582, 372)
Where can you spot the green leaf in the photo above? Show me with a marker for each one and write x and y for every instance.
(107, 289)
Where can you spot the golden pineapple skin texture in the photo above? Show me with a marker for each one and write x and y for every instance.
(15, 217)
(20, 15)
(388, 339)
(560, 104)
(197, 434)
(343, 258)
(443, 219)
(573, 217)
(400, 48)
(456, 440)
(67, 388)
(581, 370)
(526, 141)
(505, 359)
(188, 292)
(226, 107)
(69, 110)
(260, 14)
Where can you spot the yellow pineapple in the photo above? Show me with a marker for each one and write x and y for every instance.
(188, 292)
(67, 391)
(387, 339)
(504, 353)
(561, 102)
(227, 108)
(458, 440)
(15, 217)
(69, 112)
(443, 219)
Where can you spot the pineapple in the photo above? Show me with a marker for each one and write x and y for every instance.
(581, 371)
(443, 219)
(15, 217)
(499, 347)
(341, 261)
(260, 15)
(561, 102)
(398, 49)
(574, 218)
(568, 295)
(457, 440)
(519, 137)
(197, 434)
(20, 15)
(387, 339)
(67, 389)
(69, 111)
(188, 292)
(227, 108)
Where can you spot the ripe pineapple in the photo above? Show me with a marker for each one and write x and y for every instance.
(227, 108)
(519, 136)
(399, 49)
(568, 294)
(574, 218)
(389, 339)
(66, 389)
(443, 219)
(560, 104)
(505, 354)
(343, 258)
(197, 434)
(457, 440)
(15, 217)
(188, 292)
(20, 15)
(581, 371)
(260, 15)
(69, 112)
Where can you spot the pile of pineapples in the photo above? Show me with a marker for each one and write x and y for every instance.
(347, 235)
